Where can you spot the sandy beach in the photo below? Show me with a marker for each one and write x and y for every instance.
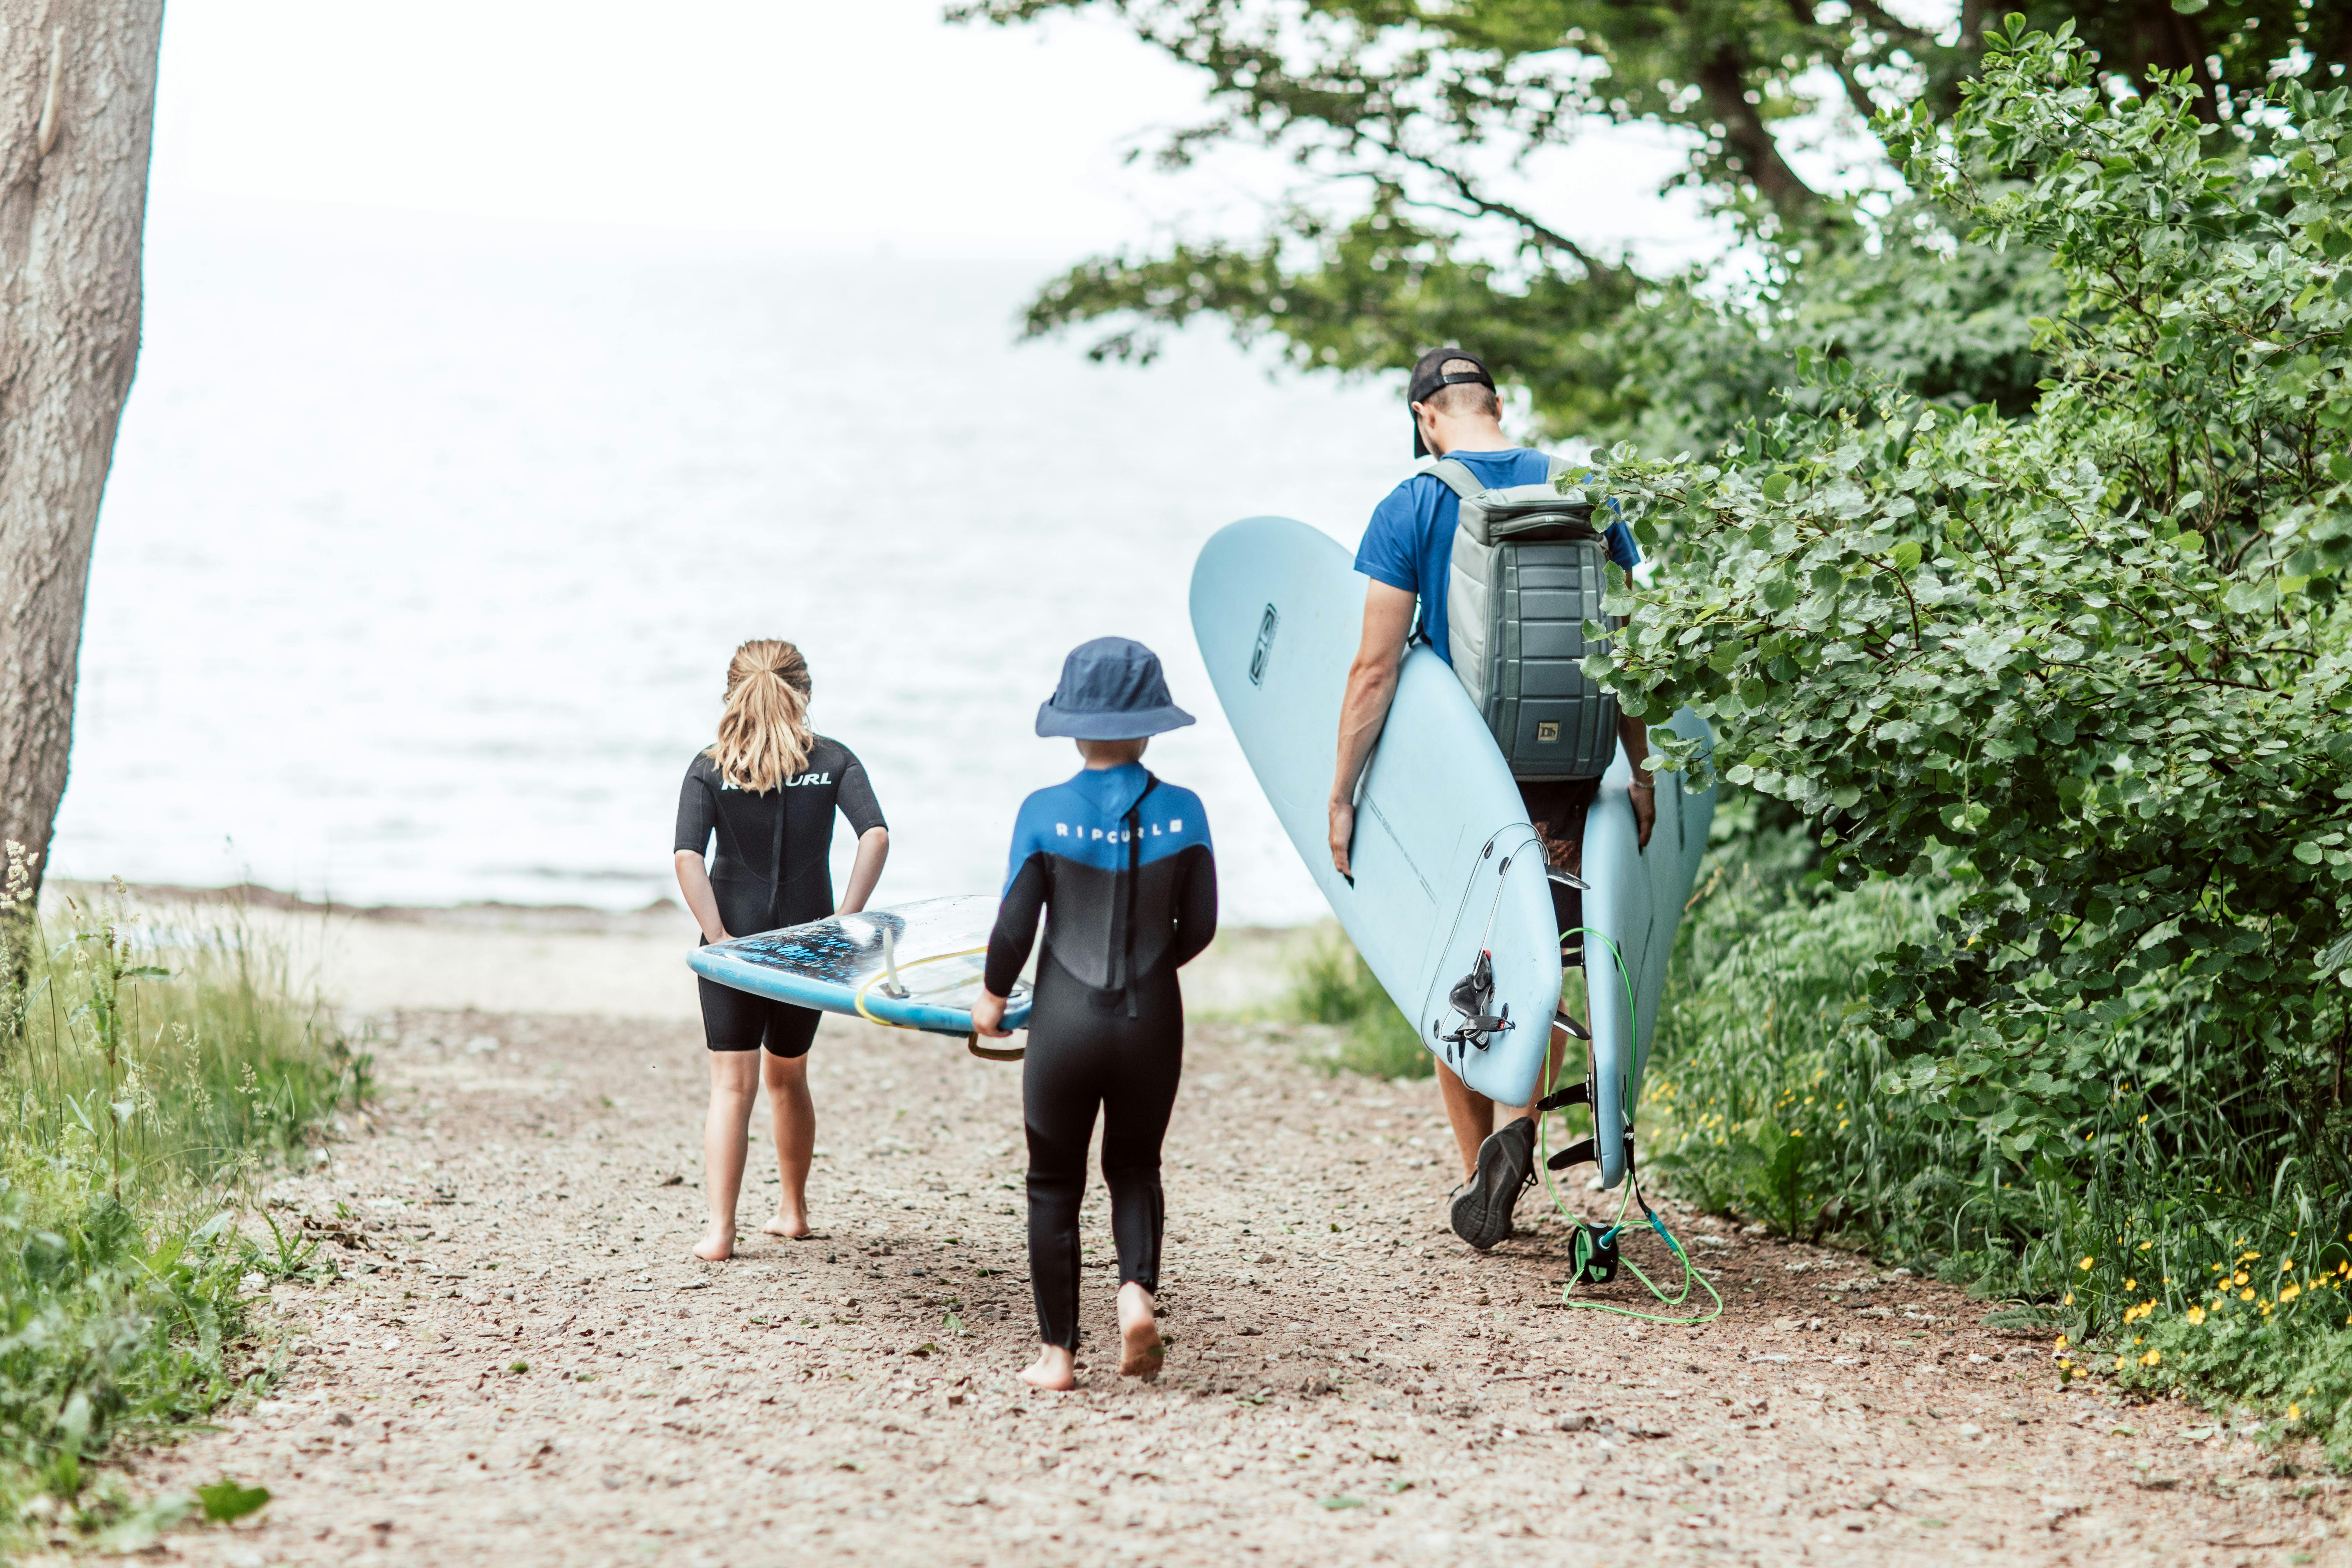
(520, 1363)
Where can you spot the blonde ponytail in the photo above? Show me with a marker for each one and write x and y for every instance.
(764, 733)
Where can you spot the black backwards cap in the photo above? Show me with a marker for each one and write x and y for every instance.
(1427, 380)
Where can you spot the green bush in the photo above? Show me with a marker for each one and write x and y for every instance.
(146, 1077)
(2067, 691)
(1334, 987)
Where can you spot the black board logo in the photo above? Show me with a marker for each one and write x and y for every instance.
(1546, 731)
(1264, 649)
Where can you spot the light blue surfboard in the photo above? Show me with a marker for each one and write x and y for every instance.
(1446, 864)
(917, 966)
(1636, 900)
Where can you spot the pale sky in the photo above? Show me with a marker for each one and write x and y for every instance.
(834, 125)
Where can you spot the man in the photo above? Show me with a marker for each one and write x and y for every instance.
(1405, 552)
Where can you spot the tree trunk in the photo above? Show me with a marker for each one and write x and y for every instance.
(76, 117)
(1723, 84)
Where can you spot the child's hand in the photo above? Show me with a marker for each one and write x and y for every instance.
(988, 1016)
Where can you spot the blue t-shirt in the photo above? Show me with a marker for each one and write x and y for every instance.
(1409, 543)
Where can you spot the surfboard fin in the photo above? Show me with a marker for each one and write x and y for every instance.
(1583, 1152)
(1560, 1099)
(1576, 1030)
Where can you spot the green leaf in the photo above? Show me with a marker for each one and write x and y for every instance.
(225, 1500)
(1776, 485)
(1907, 555)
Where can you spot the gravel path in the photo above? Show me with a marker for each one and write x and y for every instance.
(1346, 1383)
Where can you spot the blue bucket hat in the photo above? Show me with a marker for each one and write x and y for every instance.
(1111, 690)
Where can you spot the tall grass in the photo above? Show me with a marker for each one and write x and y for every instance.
(1332, 986)
(147, 1077)
(2190, 1234)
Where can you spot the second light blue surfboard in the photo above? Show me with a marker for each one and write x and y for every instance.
(1635, 903)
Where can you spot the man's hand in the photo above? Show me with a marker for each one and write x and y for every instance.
(1343, 834)
(1644, 797)
(988, 1015)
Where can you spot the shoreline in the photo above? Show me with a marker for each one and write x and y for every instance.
(561, 959)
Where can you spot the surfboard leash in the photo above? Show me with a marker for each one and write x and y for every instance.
(891, 974)
(1594, 1249)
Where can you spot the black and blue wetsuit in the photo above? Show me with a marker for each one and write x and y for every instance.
(772, 867)
(1121, 864)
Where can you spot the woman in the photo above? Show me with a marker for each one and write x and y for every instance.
(1120, 863)
(766, 789)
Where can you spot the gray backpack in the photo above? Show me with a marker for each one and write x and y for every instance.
(1527, 577)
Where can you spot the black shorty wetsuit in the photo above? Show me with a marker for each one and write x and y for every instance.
(1122, 865)
(773, 869)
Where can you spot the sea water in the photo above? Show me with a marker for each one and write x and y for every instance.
(426, 543)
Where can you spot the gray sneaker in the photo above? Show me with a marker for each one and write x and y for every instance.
(1507, 1167)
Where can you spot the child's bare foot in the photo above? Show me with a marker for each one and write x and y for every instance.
(1054, 1368)
(718, 1244)
(790, 1226)
(1140, 1349)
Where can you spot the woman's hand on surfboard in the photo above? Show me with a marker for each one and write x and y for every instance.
(1343, 833)
(988, 1016)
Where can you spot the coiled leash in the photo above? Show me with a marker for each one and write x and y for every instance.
(1594, 1251)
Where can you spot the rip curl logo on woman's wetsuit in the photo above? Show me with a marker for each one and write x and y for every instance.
(807, 779)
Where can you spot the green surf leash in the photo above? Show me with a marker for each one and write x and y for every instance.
(1590, 1248)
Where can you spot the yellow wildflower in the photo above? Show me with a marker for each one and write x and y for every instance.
(2195, 1315)
(2085, 1265)
(2288, 1293)
(2294, 1411)
(2247, 1295)
(2151, 1358)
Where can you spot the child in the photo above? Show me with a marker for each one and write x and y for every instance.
(767, 790)
(1121, 864)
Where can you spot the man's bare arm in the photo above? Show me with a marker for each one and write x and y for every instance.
(1371, 686)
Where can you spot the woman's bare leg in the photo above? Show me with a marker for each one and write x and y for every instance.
(734, 1084)
(1054, 1368)
(793, 1117)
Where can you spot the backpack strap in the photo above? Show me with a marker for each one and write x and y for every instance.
(1454, 476)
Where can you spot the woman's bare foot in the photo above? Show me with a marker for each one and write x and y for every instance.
(790, 1226)
(1140, 1349)
(1054, 1368)
(718, 1244)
